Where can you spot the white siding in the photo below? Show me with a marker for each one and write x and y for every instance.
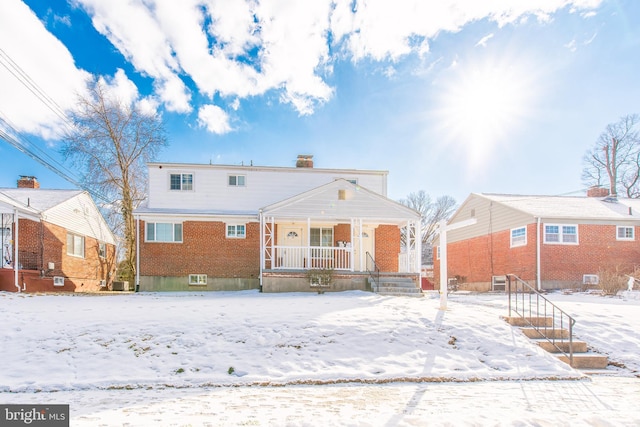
(264, 186)
(80, 215)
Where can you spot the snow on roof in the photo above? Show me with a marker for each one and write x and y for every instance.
(39, 199)
(603, 208)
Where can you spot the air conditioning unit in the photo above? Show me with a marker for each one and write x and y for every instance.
(58, 281)
(499, 283)
(103, 283)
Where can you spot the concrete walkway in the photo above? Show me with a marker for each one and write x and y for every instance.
(598, 401)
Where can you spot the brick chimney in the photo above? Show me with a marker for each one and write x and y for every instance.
(596, 191)
(304, 161)
(28, 182)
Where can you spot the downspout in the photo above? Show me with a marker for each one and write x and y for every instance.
(137, 287)
(261, 219)
(538, 281)
(15, 250)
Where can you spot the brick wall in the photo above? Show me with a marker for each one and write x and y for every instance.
(204, 250)
(387, 247)
(480, 258)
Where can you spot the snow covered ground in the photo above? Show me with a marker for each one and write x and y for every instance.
(349, 358)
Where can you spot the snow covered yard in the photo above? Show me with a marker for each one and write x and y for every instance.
(168, 359)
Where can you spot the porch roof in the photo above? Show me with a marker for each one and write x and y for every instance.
(9, 206)
(341, 200)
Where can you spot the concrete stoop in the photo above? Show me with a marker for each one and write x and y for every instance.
(399, 286)
(582, 357)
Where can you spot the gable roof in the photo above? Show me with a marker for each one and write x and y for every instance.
(570, 207)
(39, 199)
(341, 200)
(9, 206)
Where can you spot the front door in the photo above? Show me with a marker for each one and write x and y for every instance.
(291, 253)
(368, 240)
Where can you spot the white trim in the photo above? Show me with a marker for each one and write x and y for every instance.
(519, 243)
(198, 279)
(58, 281)
(633, 233)
(235, 232)
(561, 234)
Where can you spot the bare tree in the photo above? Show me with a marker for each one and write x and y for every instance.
(614, 160)
(110, 144)
(431, 213)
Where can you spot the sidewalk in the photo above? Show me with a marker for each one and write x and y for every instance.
(599, 401)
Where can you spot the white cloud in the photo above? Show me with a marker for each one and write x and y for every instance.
(214, 119)
(41, 62)
(483, 41)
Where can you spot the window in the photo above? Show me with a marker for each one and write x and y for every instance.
(58, 281)
(75, 245)
(236, 231)
(164, 232)
(561, 234)
(102, 250)
(353, 181)
(590, 279)
(322, 237)
(624, 233)
(181, 181)
(518, 237)
(236, 180)
(197, 279)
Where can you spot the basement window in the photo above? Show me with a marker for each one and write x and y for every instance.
(198, 279)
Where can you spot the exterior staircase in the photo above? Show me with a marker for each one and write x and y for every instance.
(397, 286)
(556, 341)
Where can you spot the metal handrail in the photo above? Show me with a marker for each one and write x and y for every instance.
(374, 271)
(529, 304)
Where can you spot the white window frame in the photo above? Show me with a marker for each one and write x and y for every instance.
(561, 234)
(519, 242)
(175, 226)
(236, 178)
(198, 279)
(234, 234)
(184, 186)
(624, 227)
(72, 250)
(590, 279)
(58, 281)
(102, 249)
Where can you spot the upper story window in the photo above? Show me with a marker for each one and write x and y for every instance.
(625, 233)
(237, 180)
(236, 231)
(518, 237)
(561, 234)
(181, 181)
(102, 250)
(163, 232)
(75, 245)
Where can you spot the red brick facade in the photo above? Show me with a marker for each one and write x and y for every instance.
(387, 247)
(42, 243)
(476, 260)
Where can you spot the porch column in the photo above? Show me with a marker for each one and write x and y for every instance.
(408, 241)
(309, 243)
(418, 261)
(137, 284)
(363, 257)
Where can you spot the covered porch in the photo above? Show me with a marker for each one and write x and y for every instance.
(338, 228)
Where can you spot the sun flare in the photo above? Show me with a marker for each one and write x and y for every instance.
(481, 104)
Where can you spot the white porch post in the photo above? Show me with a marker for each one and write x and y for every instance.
(308, 266)
(262, 263)
(363, 258)
(442, 251)
(15, 250)
(351, 257)
(137, 284)
(408, 241)
(418, 260)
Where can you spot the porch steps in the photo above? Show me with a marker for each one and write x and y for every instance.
(398, 286)
(582, 357)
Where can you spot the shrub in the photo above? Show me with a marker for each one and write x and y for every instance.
(612, 280)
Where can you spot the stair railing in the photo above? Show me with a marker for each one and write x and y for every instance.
(526, 302)
(374, 272)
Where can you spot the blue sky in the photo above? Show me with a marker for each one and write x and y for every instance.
(451, 97)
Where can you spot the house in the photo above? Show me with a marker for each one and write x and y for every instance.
(226, 227)
(550, 241)
(61, 243)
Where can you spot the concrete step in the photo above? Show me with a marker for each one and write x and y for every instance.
(587, 361)
(528, 321)
(545, 333)
(563, 346)
(387, 288)
(398, 284)
(402, 294)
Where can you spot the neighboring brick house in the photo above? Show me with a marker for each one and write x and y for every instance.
(221, 227)
(63, 242)
(550, 241)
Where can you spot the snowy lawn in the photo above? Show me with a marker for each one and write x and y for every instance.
(83, 342)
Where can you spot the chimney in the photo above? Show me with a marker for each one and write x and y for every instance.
(304, 161)
(597, 191)
(28, 182)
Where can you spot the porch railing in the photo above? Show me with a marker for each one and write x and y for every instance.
(536, 310)
(312, 257)
(374, 272)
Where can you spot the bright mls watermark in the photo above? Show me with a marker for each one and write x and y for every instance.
(34, 415)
